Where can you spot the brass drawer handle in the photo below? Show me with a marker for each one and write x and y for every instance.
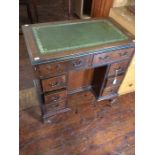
(104, 58)
(58, 67)
(54, 84)
(77, 63)
(118, 70)
(123, 54)
(54, 105)
(115, 81)
(55, 98)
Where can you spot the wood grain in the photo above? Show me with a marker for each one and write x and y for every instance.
(79, 79)
(54, 83)
(100, 130)
(101, 8)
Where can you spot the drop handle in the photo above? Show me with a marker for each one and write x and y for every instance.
(58, 67)
(123, 54)
(54, 104)
(114, 82)
(55, 98)
(104, 58)
(118, 70)
(54, 84)
(77, 63)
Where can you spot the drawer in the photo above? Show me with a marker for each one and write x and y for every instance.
(56, 97)
(118, 68)
(52, 69)
(54, 83)
(110, 91)
(105, 58)
(78, 63)
(113, 81)
(55, 101)
(57, 68)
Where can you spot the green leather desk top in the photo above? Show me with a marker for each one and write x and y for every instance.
(70, 36)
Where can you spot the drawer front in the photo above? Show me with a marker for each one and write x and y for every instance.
(113, 81)
(79, 63)
(52, 69)
(54, 83)
(53, 98)
(58, 68)
(118, 68)
(105, 58)
(110, 91)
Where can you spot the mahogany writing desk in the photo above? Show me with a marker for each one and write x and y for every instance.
(73, 56)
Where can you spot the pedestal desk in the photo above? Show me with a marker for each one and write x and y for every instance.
(73, 56)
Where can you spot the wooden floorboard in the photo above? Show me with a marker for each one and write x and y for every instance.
(95, 130)
(27, 98)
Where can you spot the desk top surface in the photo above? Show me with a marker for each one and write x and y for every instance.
(61, 40)
(69, 36)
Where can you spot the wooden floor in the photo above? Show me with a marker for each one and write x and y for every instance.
(100, 130)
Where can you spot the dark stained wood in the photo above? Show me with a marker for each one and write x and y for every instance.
(104, 58)
(52, 69)
(79, 79)
(57, 68)
(34, 53)
(80, 63)
(112, 81)
(119, 67)
(110, 90)
(79, 72)
(55, 97)
(54, 83)
(100, 130)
